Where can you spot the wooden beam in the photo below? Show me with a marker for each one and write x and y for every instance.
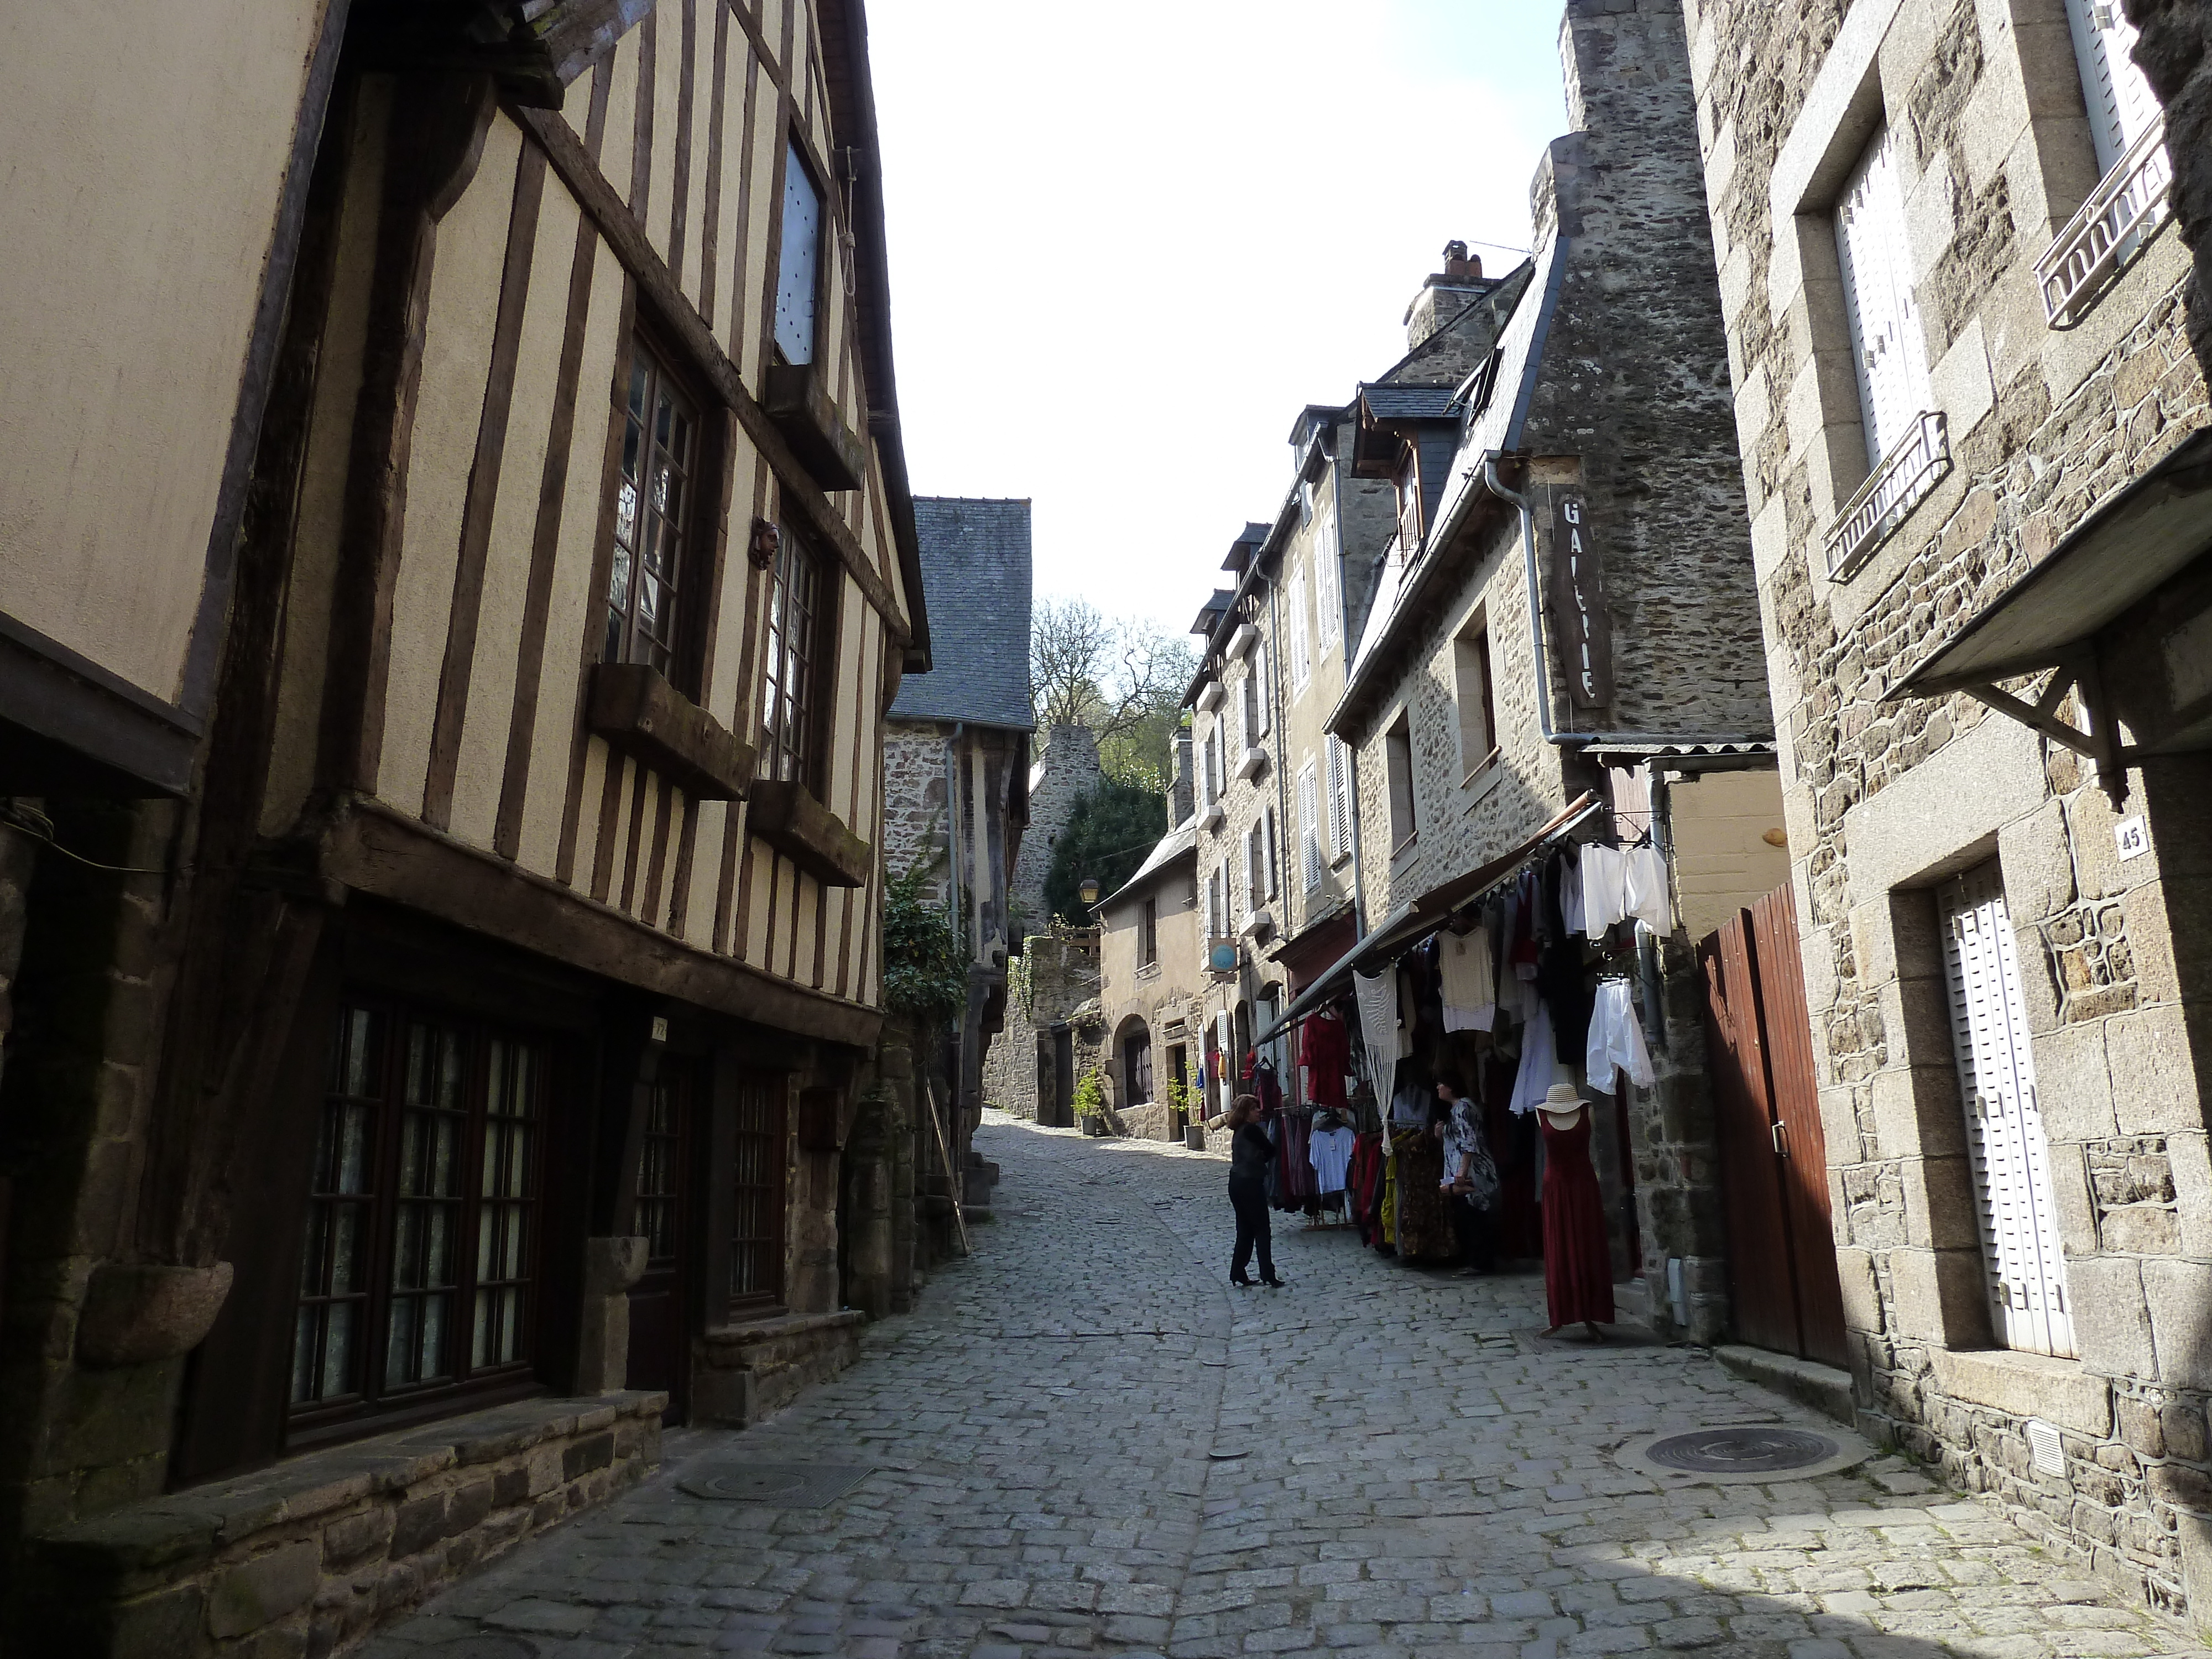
(626, 237)
(375, 850)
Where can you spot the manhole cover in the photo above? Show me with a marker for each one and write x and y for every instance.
(789, 1485)
(481, 1647)
(1757, 1448)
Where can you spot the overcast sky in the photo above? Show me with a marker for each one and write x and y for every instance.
(1130, 243)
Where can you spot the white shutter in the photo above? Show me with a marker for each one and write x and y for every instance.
(1263, 689)
(1889, 348)
(1326, 602)
(2122, 105)
(1271, 858)
(1339, 799)
(2005, 1141)
(1310, 825)
(1241, 738)
(1301, 646)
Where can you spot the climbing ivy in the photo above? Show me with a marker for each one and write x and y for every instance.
(924, 965)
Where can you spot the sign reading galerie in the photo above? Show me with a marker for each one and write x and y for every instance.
(1581, 628)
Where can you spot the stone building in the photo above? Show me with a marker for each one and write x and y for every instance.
(1150, 973)
(956, 802)
(1276, 832)
(451, 597)
(1031, 1070)
(1972, 438)
(1564, 643)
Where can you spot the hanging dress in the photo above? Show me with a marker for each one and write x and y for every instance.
(1577, 1260)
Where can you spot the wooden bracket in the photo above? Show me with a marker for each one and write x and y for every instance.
(2100, 742)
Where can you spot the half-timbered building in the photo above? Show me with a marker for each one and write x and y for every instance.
(468, 690)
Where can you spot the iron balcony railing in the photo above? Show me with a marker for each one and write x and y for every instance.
(1914, 466)
(2120, 216)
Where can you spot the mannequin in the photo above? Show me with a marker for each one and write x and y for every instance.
(1578, 1259)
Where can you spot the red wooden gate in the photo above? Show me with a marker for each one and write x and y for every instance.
(1774, 1163)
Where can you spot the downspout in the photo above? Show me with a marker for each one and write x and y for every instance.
(1496, 486)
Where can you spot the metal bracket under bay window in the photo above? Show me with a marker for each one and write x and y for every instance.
(2121, 216)
(1912, 468)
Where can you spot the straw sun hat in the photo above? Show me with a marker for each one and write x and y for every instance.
(1561, 1104)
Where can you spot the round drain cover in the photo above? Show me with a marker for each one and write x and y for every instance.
(1754, 1448)
(754, 1484)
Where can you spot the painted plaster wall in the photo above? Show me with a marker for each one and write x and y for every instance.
(147, 146)
(1722, 862)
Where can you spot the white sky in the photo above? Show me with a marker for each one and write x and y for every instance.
(1130, 243)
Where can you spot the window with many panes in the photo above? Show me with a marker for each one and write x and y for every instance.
(649, 565)
(801, 613)
(417, 1269)
(756, 1194)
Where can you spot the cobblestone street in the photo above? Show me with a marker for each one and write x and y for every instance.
(1087, 1441)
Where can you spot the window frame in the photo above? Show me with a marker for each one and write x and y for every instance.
(1472, 691)
(1404, 796)
(818, 713)
(650, 356)
(375, 1401)
(1148, 933)
(1328, 603)
(796, 154)
(1877, 267)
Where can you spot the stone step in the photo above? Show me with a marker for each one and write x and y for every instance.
(1823, 1388)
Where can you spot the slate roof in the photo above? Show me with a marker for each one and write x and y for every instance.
(975, 572)
(1408, 402)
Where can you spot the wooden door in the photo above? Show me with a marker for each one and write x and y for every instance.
(1783, 1284)
(660, 1301)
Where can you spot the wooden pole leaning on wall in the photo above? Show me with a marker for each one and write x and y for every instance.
(944, 1151)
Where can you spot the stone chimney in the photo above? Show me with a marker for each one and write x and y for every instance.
(1182, 798)
(1444, 294)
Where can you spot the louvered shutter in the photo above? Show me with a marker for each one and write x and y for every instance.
(1889, 348)
(2005, 1141)
(1263, 687)
(1301, 650)
(2122, 105)
(1241, 737)
(1329, 608)
(1274, 862)
(1339, 799)
(1310, 825)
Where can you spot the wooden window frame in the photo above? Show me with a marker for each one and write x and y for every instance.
(801, 761)
(755, 1294)
(1148, 933)
(374, 1402)
(656, 366)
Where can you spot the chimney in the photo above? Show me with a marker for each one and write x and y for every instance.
(1182, 802)
(1444, 294)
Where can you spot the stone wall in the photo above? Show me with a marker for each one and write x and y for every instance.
(1885, 798)
(914, 803)
(311, 1556)
(1057, 984)
(1066, 771)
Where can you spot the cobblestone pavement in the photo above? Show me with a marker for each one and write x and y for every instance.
(1087, 1442)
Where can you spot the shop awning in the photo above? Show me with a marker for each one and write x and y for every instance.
(1414, 922)
(2117, 557)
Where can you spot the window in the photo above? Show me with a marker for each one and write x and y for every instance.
(1211, 772)
(1271, 862)
(1478, 724)
(1301, 640)
(1409, 504)
(1215, 905)
(1398, 756)
(756, 1181)
(1148, 933)
(659, 1174)
(1328, 606)
(1310, 857)
(2005, 1140)
(652, 510)
(1256, 871)
(800, 613)
(417, 1272)
(1889, 348)
(2122, 106)
(1339, 798)
(1305, 502)
(798, 264)
(1255, 699)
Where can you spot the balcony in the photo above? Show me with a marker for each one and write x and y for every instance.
(2122, 213)
(1915, 465)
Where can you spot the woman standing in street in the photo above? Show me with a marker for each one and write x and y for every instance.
(1251, 1152)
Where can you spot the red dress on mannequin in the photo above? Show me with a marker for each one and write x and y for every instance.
(1577, 1260)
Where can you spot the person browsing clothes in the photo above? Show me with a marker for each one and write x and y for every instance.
(1250, 1152)
(1470, 1180)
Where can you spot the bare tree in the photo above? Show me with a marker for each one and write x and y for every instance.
(1124, 679)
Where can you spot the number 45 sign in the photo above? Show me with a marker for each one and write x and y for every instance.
(1582, 632)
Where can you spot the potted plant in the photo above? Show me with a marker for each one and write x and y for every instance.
(1090, 1103)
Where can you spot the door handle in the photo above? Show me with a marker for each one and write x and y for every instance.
(1780, 1151)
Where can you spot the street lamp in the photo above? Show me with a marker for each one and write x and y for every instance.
(1089, 890)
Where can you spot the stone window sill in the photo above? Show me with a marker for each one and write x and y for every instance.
(790, 819)
(1488, 772)
(2026, 1385)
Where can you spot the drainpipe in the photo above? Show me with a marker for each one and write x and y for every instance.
(1344, 650)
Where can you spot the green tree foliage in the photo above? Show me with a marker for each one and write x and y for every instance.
(1123, 678)
(1107, 834)
(925, 970)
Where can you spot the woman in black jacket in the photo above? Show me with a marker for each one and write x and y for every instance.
(1250, 1152)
